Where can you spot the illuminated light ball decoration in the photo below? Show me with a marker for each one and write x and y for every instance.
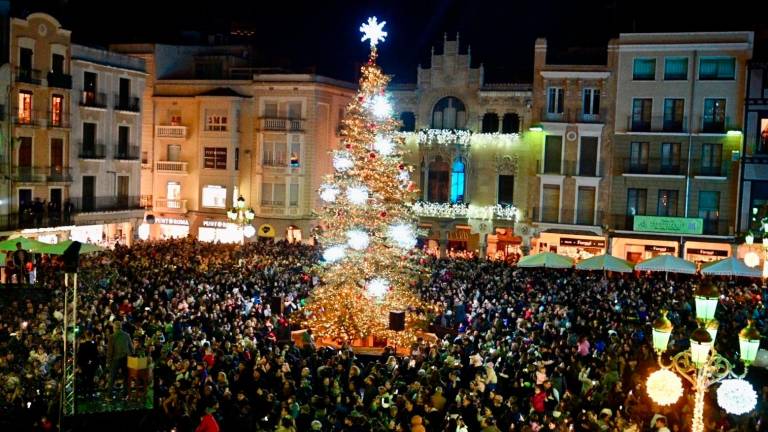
(334, 253)
(249, 231)
(736, 396)
(328, 193)
(357, 239)
(342, 161)
(402, 235)
(384, 145)
(144, 231)
(752, 259)
(377, 287)
(380, 107)
(357, 195)
(664, 387)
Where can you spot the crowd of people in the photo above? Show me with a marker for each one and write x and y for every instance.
(517, 349)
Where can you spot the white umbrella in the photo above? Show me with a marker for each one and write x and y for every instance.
(667, 263)
(730, 267)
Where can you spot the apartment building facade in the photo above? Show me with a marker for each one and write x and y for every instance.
(105, 136)
(678, 117)
(753, 208)
(573, 108)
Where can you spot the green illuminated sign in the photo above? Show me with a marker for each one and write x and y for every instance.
(673, 225)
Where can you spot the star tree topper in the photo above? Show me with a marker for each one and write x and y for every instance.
(373, 31)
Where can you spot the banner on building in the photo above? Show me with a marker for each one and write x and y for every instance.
(577, 242)
(672, 225)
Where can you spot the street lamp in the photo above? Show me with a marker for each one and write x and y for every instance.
(243, 216)
(701, 365)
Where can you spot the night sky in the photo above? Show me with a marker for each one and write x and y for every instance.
(323, 35)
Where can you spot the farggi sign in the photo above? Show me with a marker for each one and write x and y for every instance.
(673, 225)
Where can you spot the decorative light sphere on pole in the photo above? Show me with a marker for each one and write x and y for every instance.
(664, 387)
(249, 231)
(752, 259)
(736, 396)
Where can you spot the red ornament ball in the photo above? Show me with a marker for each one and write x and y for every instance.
(372, 155)
(411, 187)
(349, 146)
(401, 167)
(361, 98)
(383, 214)
(371, 126)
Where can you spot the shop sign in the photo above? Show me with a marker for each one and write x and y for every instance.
(569, 241)
(266, 230)
(708, 252)
(673, 225)
(171, 221)
(216, 224)
(656, 248)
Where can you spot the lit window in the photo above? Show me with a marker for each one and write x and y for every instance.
(57, 102)
(25, 107)
(215, 157)
(214, 196)
(457, 181)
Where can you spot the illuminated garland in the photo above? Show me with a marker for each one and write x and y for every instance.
(459, 136)
(458, 211)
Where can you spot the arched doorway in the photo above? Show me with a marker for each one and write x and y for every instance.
(449, 113)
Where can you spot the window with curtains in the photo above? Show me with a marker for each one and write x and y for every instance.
(636, 202)
(667, 205)
(555, 100)
(711, 157)
(709, 210)
(641, 114)
(714, 115)
(457, 181)
(670, 158)
(644, 69)
(717, 68)
(673, 114)
(675, 68)
(591, 101)
(293, 195)
(638, 157)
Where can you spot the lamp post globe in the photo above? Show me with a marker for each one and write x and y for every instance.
(706, 297)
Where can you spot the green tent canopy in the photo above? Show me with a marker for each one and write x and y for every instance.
(667, 263)
(730, 267)
(26, 243)
(60, 247)
(605, 263)
(545, 260)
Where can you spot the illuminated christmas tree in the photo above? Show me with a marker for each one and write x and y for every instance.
(368, 231)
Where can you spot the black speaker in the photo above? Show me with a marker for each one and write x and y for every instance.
(276, 305)
(71, 257)
(397, 320)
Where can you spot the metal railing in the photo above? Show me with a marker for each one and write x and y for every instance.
(274, 162)
(145, 201)
(282, 124)
(59, 80)
(29, 76)
(655, 166)
(273, 203)
(165, 131)
(32, 118)
(573, 116)
(566, 216)
(126, 152)
(171, 205)
(130, 104)
(92, 99)
(58, 120)
(717, 126)
(90, 150)
(106, 203)
(665, 124)
(173, 167)
(548, 116)
(723, 169)
(38, 174)
(28, 218)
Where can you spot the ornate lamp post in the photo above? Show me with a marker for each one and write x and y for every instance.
(752, 258)
(701, 365)
(243, 216)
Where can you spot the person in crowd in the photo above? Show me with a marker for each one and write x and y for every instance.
(119, 348)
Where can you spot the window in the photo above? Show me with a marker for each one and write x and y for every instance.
(638, 157)
(667, 205)
(294, 195)
(709, 210)
(714, 115)
(274, 154)
(25, 108)
(294, 110)
(670, 158)
(510, 123)
(711, 157)
(214, 196)
(57, 64)
(89, 88)
(553, 148)
(215, 157)
(675, 68)
(273, 194)
(123, 141)
(124, 95)
(586, 205)
(25, 152)
(216, 120)
(641, 114)
(490, 123)
(295, 154)
(506, 187)
(554, 100)
(673, 115)
(591, 101)
(437, 181)
(25, 59)
(449, 113)
(175, 118)
(57, 109)
(270, 109)
(717, 68)
(123, 188)
(588, 156)
(636, 202)
(457, 181)
(550, 203)
(408, 120)
(89, 193)
(144, 157)
(173, 195)
(237, 158)
(644, 69)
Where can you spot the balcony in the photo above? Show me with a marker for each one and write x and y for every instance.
(565, 216)
(164, 131)
(171, 205)
(127, 153)
(128, 104)
(591, 118)
(90, 99)
(657, 124)
(26, 119)
(572, 116)
(90, 150)
(107, 203)
(27, 219)
(717, 125)
(267, 203)
(145, 201)
(58, 120)
(720, 171)
(171, 167)
(654, 167)
(41, 174)
(282, 124)
(555, 117)
(59, 80)
(29, 76)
